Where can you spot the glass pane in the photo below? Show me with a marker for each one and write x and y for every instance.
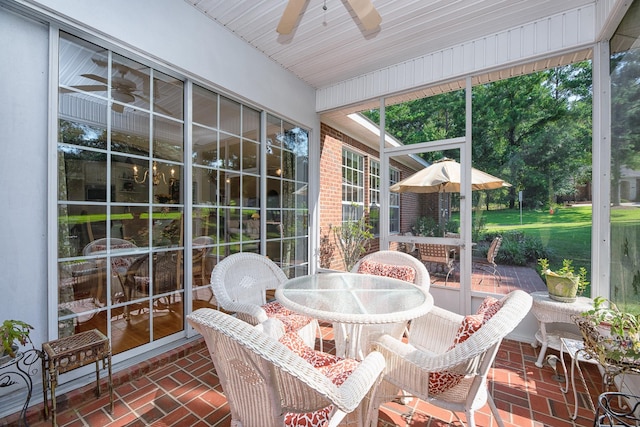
(205, 147)
(79, 280)
(167, 139)
(274, 161)
(83, 65)
(130, 132)
(250, 191)
(168, 315)
(166, 182)
(82, 175)
(130, 83)
(288, 196)
(288, 165)
(135, 222)
(205, 107)
(250, 157)
(168, 275)
(625, 167)
(168, 95)
(128, 184)
(229, 116)
(78, 130)
(205, 185)
(274, 250)
(205, 223)
(251, 224)
(250, 123)
(78, 225)
(167, 226)
(230, 152)
(274, 131)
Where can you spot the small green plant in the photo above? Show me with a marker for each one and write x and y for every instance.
(12, 333)
(428, 226)
(566, 271)
(352, 239)
(326, 250)
(622, 340)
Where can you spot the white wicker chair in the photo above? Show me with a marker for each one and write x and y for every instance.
(397, 259)
(409, 365)
(264, 380)
(240, 283)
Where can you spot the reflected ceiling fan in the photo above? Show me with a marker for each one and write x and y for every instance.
(364, 9)
(122, 89)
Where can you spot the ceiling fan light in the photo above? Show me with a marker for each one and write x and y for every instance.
(123, 97)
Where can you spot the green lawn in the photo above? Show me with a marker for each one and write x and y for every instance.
(565, 234)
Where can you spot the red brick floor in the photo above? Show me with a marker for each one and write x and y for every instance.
(182, 389)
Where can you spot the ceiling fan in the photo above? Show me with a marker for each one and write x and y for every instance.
(122, 90)
(364, 9)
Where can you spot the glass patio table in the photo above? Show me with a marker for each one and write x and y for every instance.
(352, 300)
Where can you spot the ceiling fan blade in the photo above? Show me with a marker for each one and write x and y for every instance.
(85, 88)
(96, 78)
(367, 13)
(155, 105)
(290, 16)
(91, 88)
(118, 108)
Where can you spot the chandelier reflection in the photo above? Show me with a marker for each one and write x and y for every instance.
(155, 175)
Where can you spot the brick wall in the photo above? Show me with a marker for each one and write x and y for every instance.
(332, 141)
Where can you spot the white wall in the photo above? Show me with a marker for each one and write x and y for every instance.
(169, 31)
(23, 171)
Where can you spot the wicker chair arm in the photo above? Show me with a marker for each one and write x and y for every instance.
(250, 313)
(425, 361)
(435, 330)
(360, 382)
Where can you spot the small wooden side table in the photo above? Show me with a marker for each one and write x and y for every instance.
(75, 351)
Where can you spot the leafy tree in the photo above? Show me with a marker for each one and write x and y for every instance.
(625, 116)
(533, 130)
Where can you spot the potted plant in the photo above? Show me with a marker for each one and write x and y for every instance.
(564, 284)
(14, 333)
(613, 334)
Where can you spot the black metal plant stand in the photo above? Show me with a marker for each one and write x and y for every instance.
(614, 410)
(20, 370)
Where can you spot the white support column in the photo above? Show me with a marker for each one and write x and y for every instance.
(601, 153)
(384, 184)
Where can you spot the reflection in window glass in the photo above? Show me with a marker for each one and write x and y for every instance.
(625, 168)
(108, 223)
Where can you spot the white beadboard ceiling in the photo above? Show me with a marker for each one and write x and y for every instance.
(327, 47)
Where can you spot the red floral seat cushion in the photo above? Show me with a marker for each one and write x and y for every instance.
(440, 382)
(331, 366)
(292, 321)
(402, 272)
(317, 358)
(489, 307)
